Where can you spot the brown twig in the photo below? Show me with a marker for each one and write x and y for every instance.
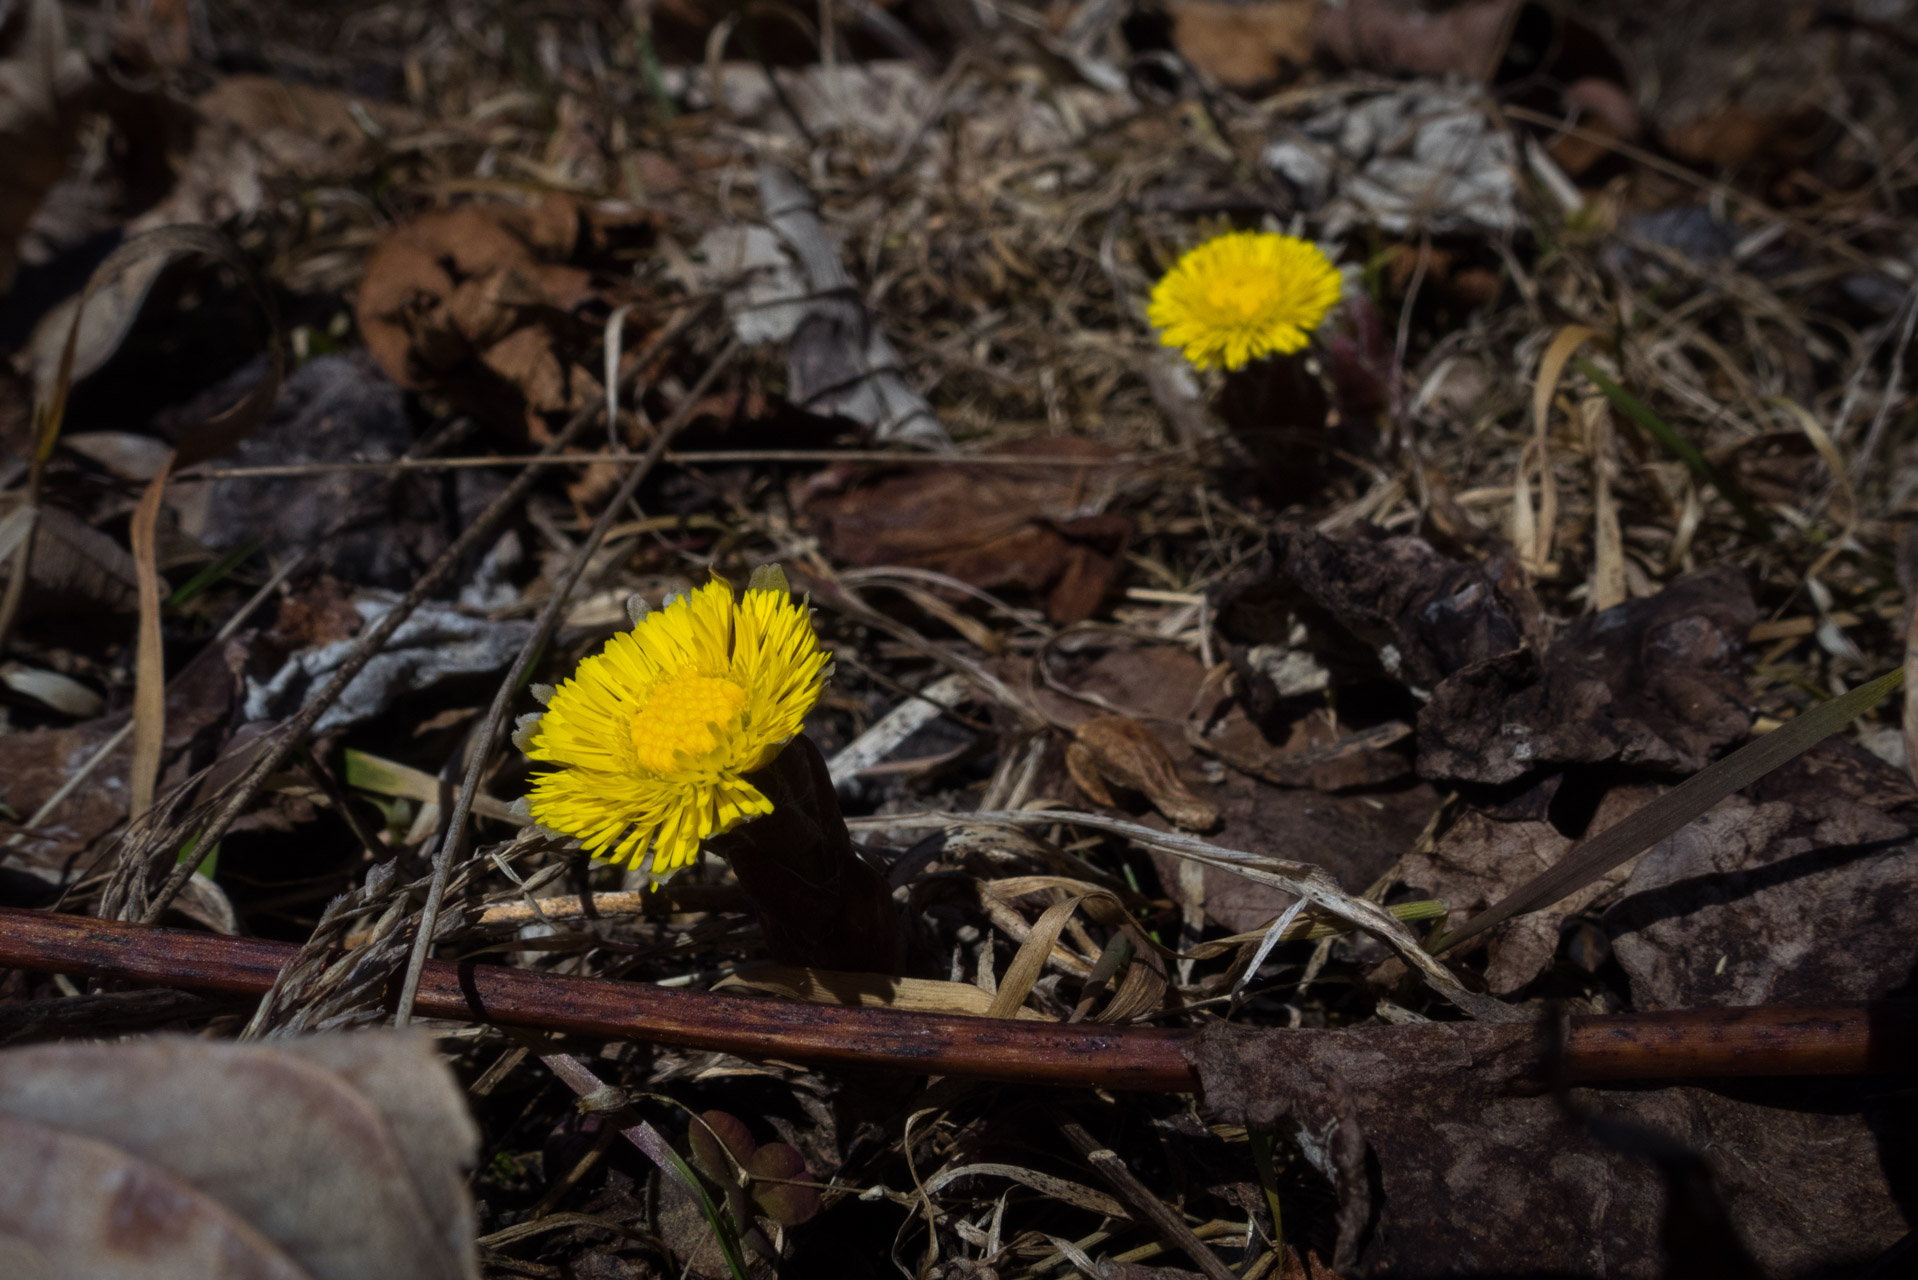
(1695, 1043)
(1139, 1198)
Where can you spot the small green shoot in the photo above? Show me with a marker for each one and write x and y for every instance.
(215, 573)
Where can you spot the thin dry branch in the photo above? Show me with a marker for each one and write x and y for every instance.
(1851, 1039)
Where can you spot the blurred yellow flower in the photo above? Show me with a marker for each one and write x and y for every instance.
(658, 730)
(1243, 295)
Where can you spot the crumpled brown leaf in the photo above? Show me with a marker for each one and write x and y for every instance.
(336, 1158)
(1418, 616)
(1121, 751)
(1441, 1169)
(480, 302)
(1034, 528)
(1354, 838)
(1242, 45)
(1804, 890)
(1481, 858)
(1654, 684)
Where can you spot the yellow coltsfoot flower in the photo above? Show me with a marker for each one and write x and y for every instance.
(658, 730)
(1243, 295)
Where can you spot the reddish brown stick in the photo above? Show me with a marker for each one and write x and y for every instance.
(1765, 1040)
(1142, 1058)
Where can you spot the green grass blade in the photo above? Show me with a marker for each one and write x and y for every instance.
(1677, 807)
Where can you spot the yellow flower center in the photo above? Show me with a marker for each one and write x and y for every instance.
(1241, 301)
(677, 717)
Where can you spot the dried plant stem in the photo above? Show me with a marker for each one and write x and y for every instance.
(1766, 1040)
(451, 844)
(690, 458)
(1139, 1198)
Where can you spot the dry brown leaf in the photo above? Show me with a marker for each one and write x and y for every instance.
(1479, 859)
(149, 680)
(1129, 755)
(42, 84)
(1442, 1169)
(34, 763)
(292, 1139)
(1655, 683)
(1355, 838)
(1244, 46)
(1405, 36)
(990, 526)
(1804, 889)
(75, 563)
(72, 1206)
(473, 302)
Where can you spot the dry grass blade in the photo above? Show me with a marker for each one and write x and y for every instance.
(1300, 879)
(1677, 807)
(149, 681)
(1072, 1193)
(1108, 1164)
(1031, 959)
(1551, 367)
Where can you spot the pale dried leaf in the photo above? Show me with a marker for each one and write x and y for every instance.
(303, 1153)
(63, 693)
(74, 1206)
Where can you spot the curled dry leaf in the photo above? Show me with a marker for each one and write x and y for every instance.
(1654, 683)
(1417, 616)
(1124, 753)
(1355, 837)
(480, 302)
(1240, 45)
(1480, 859)
(276, 1148)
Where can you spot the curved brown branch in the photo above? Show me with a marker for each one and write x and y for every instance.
(1766, 1040)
